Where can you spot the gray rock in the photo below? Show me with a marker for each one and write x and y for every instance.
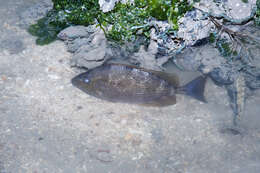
(186, 61)
(204, 58)
(73, 32)
(167, 43)
(147, 59)
(74, 45)
(88, 52)
(235, 10)
(252, 77)
(223, 75)
(193, 27)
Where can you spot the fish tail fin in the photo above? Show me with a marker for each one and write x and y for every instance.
(195, 88)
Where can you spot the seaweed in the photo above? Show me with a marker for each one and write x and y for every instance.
(212, 37)
(124, 23)
(257, 16)
(245, 1)
(47, 28)
(224, 48)
(127, 21)
(170, 10)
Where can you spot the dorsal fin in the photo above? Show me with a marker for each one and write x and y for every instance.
(173, 79)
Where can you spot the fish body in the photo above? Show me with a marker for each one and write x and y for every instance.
(237, 95)
(131, 84)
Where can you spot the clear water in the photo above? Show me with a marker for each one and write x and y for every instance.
(47, 125)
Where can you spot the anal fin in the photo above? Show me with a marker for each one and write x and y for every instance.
(161, 102)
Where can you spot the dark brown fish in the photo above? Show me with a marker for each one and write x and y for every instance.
(131, 84)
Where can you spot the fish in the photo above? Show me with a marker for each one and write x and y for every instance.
(237, 94)
(136, 85)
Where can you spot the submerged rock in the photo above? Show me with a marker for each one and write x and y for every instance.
(147, 59)
(167, 40)
(74, 45)
(204, 58)
(252, 77)
(73, 32)
(92, 54)
(223, 76)
(193, 27)
(236, 10)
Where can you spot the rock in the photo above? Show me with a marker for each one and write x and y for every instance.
(107, 5)
(73, 32)
(147, 59)
(74, 45)
(223, 75)
(204, 58)
(195, 25)
(252, 77)
(167, 43)
(89, 54)
(192, 27)
(235, 10)
(186, 61)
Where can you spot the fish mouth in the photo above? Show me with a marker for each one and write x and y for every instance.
(78, 78)
(76, 81)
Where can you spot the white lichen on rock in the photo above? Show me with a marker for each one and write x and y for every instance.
(195, 25)
(167, 43)
(193, 28)
(235, 9)
(108, 5)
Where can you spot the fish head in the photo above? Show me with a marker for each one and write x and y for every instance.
(90, 81)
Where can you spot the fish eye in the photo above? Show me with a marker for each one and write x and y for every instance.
(86, 80)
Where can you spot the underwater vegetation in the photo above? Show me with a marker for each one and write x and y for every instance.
(170, 10)
(257, 18)
(124, 23)
(47, 28)
(245, 1)
(237, 43)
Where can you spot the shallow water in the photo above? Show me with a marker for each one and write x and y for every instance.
(47, 125)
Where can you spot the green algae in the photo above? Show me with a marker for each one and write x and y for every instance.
(257, 17)
(212, 37)
(245, 1)
(127, 22)
(124, 23)
(47, 28)
(170, 10)
(225, 49)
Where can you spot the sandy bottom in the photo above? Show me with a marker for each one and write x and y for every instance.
(47, 125)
